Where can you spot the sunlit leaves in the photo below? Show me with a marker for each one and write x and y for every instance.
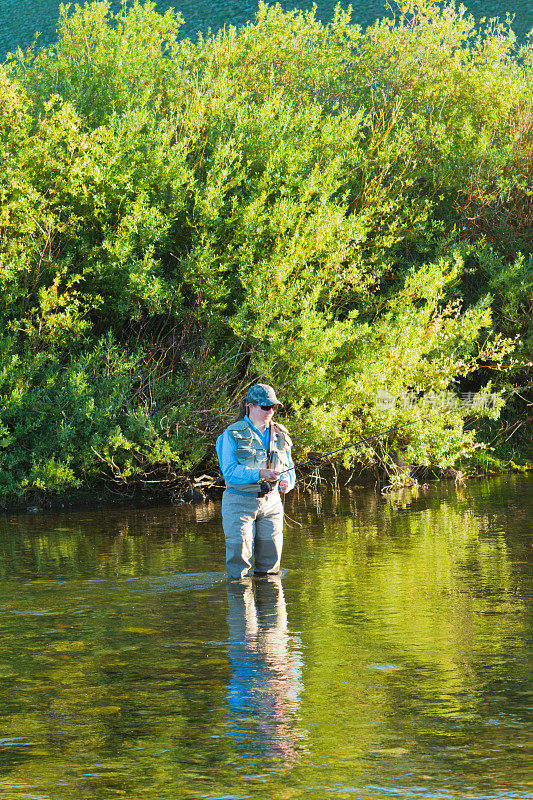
(285, 201)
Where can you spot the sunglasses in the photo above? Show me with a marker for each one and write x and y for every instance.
(267, 408)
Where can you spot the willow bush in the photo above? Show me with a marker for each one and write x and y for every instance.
(331, 210)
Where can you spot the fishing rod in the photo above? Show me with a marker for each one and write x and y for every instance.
(520, 389)
(508, 394)
(362, 440)
(266, 486)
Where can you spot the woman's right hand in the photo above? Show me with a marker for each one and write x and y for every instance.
(269, 475)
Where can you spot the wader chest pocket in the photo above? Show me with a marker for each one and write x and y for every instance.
(250, 453)
(244, 452)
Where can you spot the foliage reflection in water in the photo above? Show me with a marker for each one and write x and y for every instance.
(393, 658)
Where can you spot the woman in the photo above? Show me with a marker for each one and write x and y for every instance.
(255, 459)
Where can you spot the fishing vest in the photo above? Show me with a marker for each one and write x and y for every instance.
(251, 451)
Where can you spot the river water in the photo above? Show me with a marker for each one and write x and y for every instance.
(20, 20)
(393, 659)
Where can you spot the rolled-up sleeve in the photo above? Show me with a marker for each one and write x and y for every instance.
(232, 471)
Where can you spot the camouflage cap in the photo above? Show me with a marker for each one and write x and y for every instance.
(262, 395)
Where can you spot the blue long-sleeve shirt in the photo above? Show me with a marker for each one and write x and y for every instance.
(238, 474)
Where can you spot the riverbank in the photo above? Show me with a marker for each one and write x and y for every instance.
(207, 488)
(342, 214)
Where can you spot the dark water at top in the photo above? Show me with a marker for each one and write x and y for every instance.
(394, 659)
(21, 19)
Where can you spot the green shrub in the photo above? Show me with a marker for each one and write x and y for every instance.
(312, 205)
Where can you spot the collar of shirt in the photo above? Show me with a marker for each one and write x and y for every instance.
(264, 436)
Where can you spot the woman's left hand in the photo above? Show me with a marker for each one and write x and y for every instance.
(283, 486)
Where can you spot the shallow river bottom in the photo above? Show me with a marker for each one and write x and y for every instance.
(393, 659)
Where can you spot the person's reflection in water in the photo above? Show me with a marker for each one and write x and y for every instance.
(265, 661)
